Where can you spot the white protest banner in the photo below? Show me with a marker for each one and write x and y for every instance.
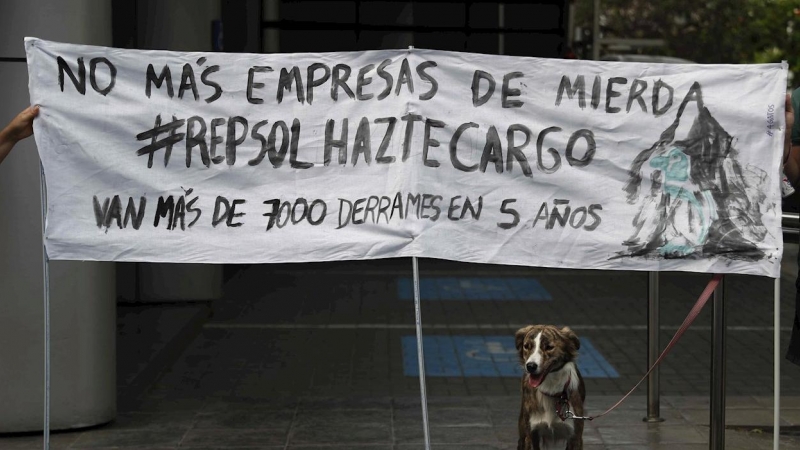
(243, 158)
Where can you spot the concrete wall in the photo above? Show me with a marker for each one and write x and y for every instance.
(83, 309)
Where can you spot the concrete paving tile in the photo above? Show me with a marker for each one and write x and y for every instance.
(344, 417)
(510, 435)
(332, 433)
(239, 419)
(233, 403)
(58, 441)
(653, 447)
(504, 403)
(649, 434)
(791, 416)
(754, 417)
(742, 440)
(504, 418)
(600, 403)
(445, 401)
(457, 447)
(339, 447)
(740, 402)
(146, 447)
(787, 401)
(687, 401)
(440, 416)
(134, 439)
(592, 436)
(156, 404)
(447, 435)
(703, 402)
(152, 421)
(618, 417)
(227, 438)
(506, 433)
(354, 402)
(269, 447)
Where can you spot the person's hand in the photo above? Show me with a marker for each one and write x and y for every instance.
(21, 126)
(787, 135)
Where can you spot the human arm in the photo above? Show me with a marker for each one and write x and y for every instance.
(19, 128)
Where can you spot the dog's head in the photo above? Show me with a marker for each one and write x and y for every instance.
(544, 348)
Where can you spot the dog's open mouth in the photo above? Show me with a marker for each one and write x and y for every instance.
(536, 380)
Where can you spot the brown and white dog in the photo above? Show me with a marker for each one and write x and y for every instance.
(551, 384)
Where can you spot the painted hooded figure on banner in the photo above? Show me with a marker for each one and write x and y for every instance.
(699, 199)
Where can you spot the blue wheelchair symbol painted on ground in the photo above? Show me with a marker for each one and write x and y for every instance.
(474, 288)
(486, 356)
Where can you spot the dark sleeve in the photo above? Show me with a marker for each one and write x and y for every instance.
(796, 107)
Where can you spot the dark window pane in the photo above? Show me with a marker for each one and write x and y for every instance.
(296, 41)
(441, 41)
(439, 14)
(318, 11)
(533, 44)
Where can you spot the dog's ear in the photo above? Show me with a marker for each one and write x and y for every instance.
(572, 337)
(519, 338)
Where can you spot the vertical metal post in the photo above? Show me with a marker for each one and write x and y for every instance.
(653, 328)
(421, 356)
(596, 32)
(571, 25)
(46, 272)
(501, 23)
(718, 362)
(776, 417)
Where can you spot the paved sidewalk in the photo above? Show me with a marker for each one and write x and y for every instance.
(317, 356)
(385, 423)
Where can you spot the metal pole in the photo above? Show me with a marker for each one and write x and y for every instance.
(501, 23)
(421, 356)
(653, 328)
(596, 32)
(776, 417)
(571, 25)
(717, 436)
(46, 267)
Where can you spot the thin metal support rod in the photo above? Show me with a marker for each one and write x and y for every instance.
(653, 328)
(718, 363)
(46, 272)
(421, 356)
(776, 418)
(596, 31)
(501, 24)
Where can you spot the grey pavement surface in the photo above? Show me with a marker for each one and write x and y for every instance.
(311, 357)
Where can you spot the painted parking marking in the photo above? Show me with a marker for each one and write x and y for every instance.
(474, 288)
(486, 356)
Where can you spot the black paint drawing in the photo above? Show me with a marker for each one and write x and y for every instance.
(701, 202)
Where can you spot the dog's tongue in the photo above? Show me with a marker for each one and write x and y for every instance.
(536, 380)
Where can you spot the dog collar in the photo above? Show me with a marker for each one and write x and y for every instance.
(562, 401)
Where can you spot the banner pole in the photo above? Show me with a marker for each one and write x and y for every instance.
(653, 328)
(718, 363)
(776, 418)
(46, 274)
(596, 31)
(420, 355)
